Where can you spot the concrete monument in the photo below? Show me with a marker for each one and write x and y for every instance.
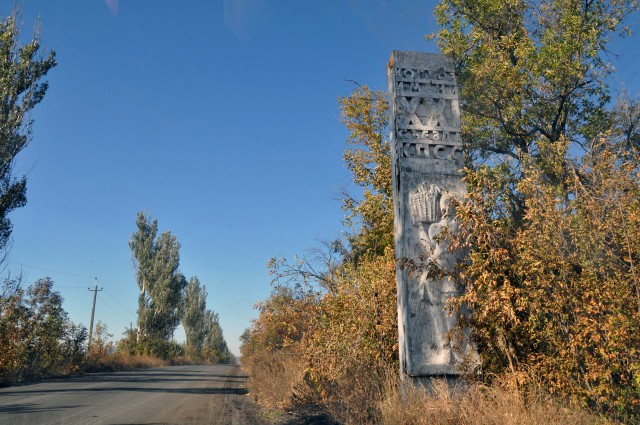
(427, 154)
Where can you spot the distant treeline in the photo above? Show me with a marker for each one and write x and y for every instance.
(36, 336)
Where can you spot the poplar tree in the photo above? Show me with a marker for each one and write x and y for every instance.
(193, 316)
(22, 69)
(215, 346)
(156, 260)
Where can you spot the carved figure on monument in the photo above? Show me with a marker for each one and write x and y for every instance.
(441, 254)
(424, 208)
(438, 348)
(425, 124)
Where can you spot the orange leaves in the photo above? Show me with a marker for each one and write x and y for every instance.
(347, 335)
(556, 290)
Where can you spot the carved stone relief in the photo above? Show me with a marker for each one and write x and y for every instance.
(424, 202)
(427, 150)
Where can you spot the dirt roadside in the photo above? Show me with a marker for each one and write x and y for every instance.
(300, 415)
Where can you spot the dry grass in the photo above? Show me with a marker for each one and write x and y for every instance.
(360, 396)
(500, 404)
(93, 362)
(277, 379)
(353, 395)
(184, 361)
(120, 361)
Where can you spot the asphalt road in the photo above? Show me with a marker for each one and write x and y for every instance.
(169, 395)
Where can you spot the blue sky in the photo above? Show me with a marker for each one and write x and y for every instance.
(218, 118)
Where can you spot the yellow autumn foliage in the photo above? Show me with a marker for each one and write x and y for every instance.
(558, 297)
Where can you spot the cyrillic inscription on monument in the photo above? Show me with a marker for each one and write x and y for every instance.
(427, 154)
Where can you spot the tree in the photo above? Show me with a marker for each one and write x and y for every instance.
(9, 287)
(215, 347)
(193, 316)
(551, 218)
(156, 260)
(72, 345)
(100, 345)
(329, 327)
(142, 252)
(35, 332)
(22, 68)
(533, 81)
(368, 158)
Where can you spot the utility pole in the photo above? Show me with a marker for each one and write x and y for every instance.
(93, 309)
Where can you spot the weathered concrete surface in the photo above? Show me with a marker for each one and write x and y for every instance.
(170, 395)
(427, 154)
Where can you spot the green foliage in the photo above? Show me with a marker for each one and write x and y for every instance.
(35, 333)
(529, 72)
(101, 346)
(193, 316)
(21, 70)
(204, 334)
(127, 344)
(336, 311)
(165, 298)
(156, 259)
(159, 347)
(215, 347)
(368, 158)
(553, 184)
(72, 345)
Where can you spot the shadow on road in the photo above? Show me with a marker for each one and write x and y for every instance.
(148, 376)
(34, 408)
(238, 391)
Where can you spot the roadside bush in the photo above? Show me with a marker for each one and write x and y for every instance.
(121, 361)
(560, 297)
(39, 340)
(354, 342)
(278, 379)
(100, 344)
(35, 333)
(73, 347)
(158, 347)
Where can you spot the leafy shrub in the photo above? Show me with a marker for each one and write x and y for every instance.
(35, 333)
(558, 296)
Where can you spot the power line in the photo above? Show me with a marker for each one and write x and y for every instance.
(49, 270)
(93, 309)
(72, 287)
(80, 287)
(103, 302)
(120, 304)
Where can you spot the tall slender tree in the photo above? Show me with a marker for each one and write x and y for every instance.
(193, 316)
(156, 260)
(142, 248)
(215, 346)
(22, 68)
